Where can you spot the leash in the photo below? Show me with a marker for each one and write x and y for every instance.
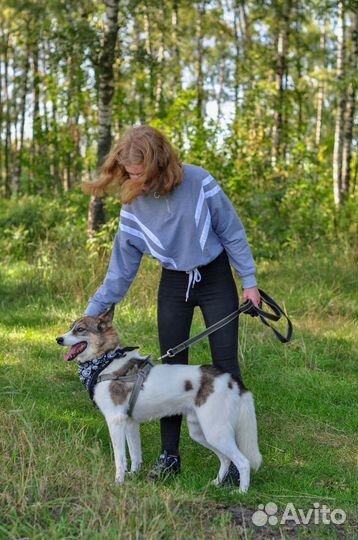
(274, 315)
(250, 309)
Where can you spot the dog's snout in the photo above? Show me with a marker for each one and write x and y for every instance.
(60, 340)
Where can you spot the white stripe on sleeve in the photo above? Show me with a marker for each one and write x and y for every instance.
(199, 206)
(212, 192)
(205, 231)
(145, 229)
(152, 251)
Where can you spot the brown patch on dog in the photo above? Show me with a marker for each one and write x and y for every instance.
(208, 374)
(107, 341)
(188, 386)
(119, 391)
(129, 368)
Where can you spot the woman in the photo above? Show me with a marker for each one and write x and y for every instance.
(179, 215)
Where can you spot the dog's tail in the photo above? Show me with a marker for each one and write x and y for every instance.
(246, 432)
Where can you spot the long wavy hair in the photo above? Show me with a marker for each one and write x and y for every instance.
(142, 145)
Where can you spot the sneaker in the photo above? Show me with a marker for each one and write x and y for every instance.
(166, 465)
(232, 477)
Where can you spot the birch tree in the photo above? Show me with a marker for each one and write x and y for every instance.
(341, 102)
(350, 107)
(321, 87)
(176, 46)
(200, 59)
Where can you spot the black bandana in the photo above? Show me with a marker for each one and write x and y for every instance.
(89, 371)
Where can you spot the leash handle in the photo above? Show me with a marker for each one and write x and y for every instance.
(274, 315)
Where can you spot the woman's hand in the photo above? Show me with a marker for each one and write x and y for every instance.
(252, 293)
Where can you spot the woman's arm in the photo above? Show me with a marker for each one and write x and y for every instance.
(123, 267)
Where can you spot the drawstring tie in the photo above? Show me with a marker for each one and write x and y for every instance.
(194, 277)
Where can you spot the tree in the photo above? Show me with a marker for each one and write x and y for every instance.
(341, 103)
(350, 106)
(16, 179)
(321, 87)
(200, 59)
(283, 14)
(105, 96)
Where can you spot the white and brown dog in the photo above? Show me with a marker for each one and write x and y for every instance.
(220, 411)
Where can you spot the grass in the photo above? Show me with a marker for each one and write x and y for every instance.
(56, 463)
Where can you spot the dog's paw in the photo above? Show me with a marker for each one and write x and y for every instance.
(244, 487)
(216, 482)
(135, 467)
(119, 480)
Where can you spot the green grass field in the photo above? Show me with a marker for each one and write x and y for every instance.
(57, 470)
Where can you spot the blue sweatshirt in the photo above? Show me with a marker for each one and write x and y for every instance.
(183, 230)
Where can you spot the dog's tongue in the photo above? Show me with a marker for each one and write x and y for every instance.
(75, 351)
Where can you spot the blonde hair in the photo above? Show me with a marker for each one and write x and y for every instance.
(142, 145)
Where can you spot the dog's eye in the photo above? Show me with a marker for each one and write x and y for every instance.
(80, 329)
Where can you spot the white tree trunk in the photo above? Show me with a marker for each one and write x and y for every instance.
(321, 90)
(350, 110)
(341, 102)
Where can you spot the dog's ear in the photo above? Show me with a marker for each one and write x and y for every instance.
(107, 316)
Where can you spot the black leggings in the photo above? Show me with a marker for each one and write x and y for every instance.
(216, 295)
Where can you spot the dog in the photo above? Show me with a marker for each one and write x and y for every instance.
(219, 410)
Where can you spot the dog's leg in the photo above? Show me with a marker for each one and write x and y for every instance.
(221, 436)
(196, 433)
(134, 446)
(117, 430)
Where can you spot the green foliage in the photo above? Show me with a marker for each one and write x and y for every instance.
(156, 78)
(276, 215)
(31, 221)
(157, 71)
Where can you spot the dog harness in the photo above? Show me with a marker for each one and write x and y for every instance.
(90, 373)
(138, 379)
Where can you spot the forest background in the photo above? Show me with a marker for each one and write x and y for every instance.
(263, 95)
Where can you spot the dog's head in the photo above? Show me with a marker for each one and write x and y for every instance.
(90, 337)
